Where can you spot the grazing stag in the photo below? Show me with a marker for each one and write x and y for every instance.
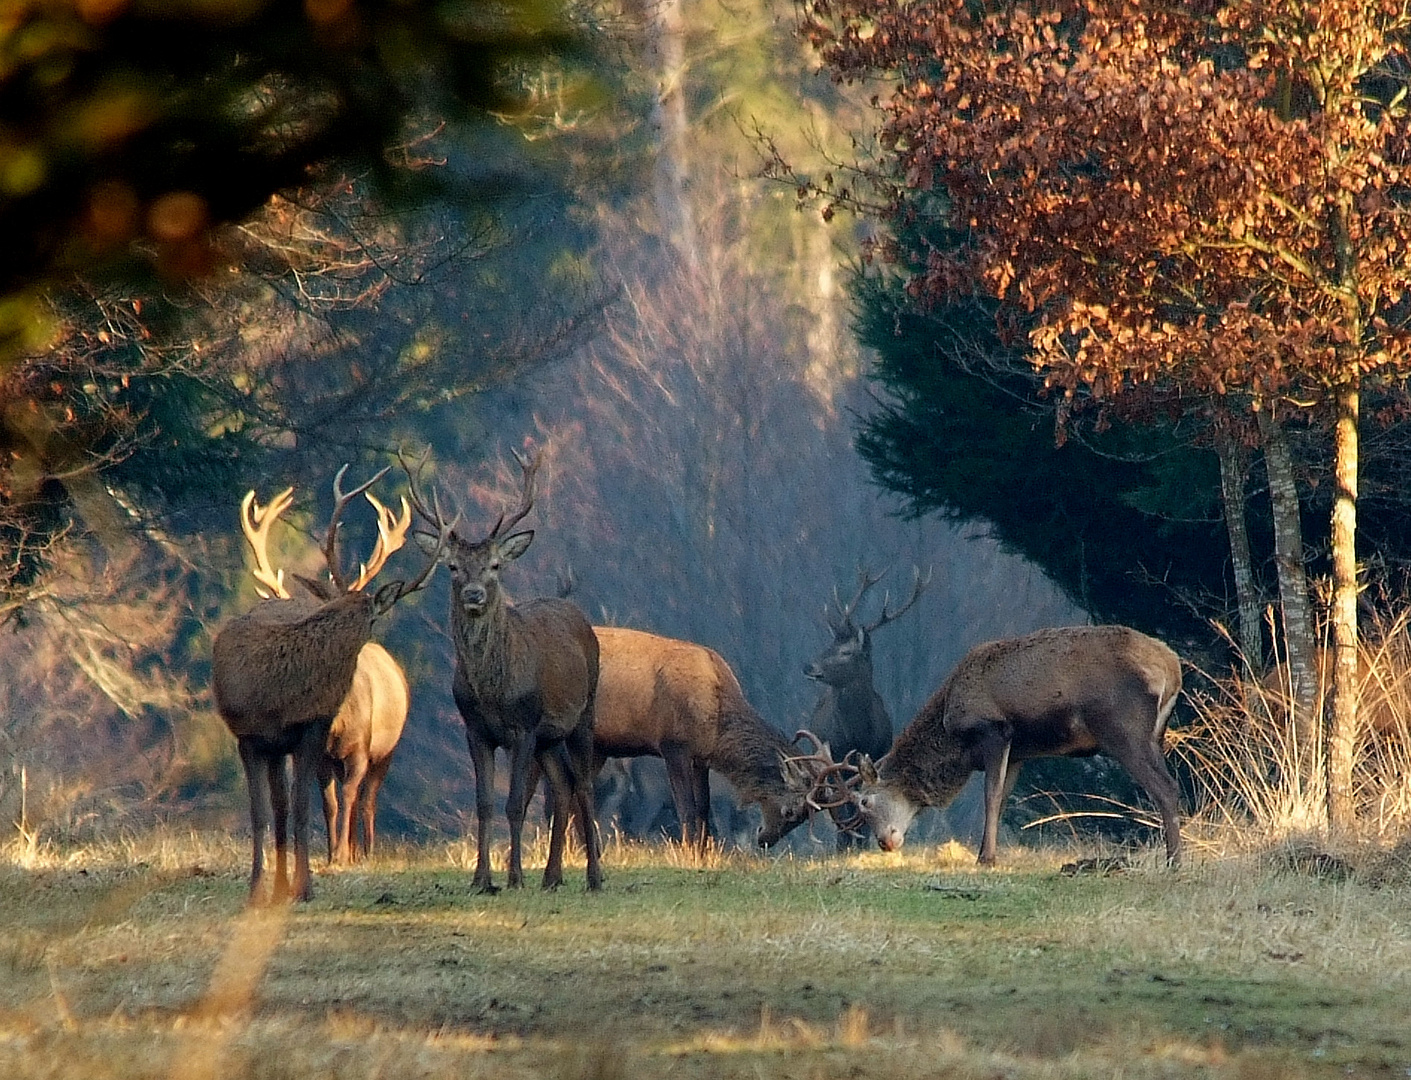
(1067, 691)
(282, 671)
(681, 702)
(525, 680)
(369, 722)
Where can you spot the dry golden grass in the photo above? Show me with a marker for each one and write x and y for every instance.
(137, 958)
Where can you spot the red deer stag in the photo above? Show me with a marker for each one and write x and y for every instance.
(681, 702)
(1066, 691)
(850, 715)
(360, 745)
(369, 722)
(282, 671)
(525, 680)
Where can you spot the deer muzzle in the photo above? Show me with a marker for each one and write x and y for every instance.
(890, 839)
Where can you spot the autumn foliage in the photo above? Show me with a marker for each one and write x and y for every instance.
(1209, 195)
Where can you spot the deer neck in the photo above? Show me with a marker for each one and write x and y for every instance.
(854, 697)
(483, 647)
(927, 764)
(747, 751)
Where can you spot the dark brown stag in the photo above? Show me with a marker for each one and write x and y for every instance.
(369, 723)
(525, 680)
(850, 715)
(282, 671)
(1067, 691)
(681, 702)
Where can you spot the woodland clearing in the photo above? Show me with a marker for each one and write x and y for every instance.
(137, 958)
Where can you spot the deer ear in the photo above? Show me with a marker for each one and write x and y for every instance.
(867, 770)
(512, 547)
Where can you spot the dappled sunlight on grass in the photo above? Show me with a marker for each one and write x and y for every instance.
(910, 964)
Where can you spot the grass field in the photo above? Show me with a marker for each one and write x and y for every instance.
(139, 959)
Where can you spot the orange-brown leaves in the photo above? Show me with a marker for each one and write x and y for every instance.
(1187, 203)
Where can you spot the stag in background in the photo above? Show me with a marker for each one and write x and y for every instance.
(282, 671)
(1062, 692)
(681, 702)
(359, 752)
(525, 680)
(850, 715)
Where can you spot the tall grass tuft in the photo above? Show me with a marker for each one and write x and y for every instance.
(1255, 784)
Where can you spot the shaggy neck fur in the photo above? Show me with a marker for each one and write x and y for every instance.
(482, 646)
(748, 749)
(927, 764)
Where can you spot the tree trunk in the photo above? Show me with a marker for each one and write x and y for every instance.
(1342, 722)
(1234, 471)
(669, 118)
(1299, 641)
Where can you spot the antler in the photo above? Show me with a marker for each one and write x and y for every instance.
(528, 469)
(430, 511)
(341, 499)
(255, 523)
(828, 787)
(391, 535)
(390, 593)
(918, 586)
(865, 581)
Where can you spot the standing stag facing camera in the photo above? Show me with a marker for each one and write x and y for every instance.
(282, 671)
(525, 680)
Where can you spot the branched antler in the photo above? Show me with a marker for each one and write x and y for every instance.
(918, 586)
(865, 581)
(341, 499)
(831, 784)
(255, 523)
(528, 469)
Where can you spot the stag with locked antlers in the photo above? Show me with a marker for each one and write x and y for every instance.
(525, 681)
(1063, 692)
(283, 670)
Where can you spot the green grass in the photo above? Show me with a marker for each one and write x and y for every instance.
(138, 959)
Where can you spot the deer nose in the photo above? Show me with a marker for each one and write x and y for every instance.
(890, 840)
(473, 595)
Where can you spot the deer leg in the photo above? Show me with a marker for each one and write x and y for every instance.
(1147, 766)
(555, 767)
(683, 792)
(583, 765)
(367, 804)
(257, 784)
(308, 752)
(521, 753)
(995, 751)
(354, 773)
(328, 784)
(277, 768)
(482, 757)
(700, 785)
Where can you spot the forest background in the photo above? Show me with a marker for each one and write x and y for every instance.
(590, 259)
(619, 288)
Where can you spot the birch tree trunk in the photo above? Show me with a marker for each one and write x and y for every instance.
(1294, 602)
(672, 125)
(1342, 720)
